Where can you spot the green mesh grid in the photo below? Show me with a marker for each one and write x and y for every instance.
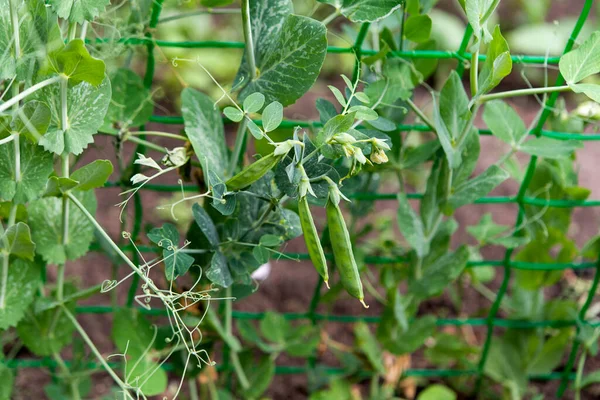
(506, 263)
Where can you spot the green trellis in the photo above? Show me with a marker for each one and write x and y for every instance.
(506, 263)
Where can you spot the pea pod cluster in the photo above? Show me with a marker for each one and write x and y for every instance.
(311, 237)
(342, 251)
(253, 172)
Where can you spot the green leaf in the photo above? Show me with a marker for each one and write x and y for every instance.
(272, 116)
(7, 379)
(497, 65)
(24, 278)
(46, 222)
(255, 130)
(411, 226)
(78, 10)
(338, 95)
(438, 275)
(289, 56)
(93, 175)
(274, 327)
(417, 28)
(477, 187)
(254, 102)
(478, 13)
(52, 325)
(550, 148)
(505, 365)
(437, 392)
(259, 374)
(86, 108)
(582, 62)
(269, 240)
(261, 254)
(32, 120)
(77, 64)
(176, 262)
(18, 241)
(233, 114)
(133, 334)
(364, 113)
(504, 122)
(219, 272)
(406, 342)
(368, 344)
(369, 10)
(35, 167)
(204, 129)
(205, 224)
(337, 124)
(131, 104)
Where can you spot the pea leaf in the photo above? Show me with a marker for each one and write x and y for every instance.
(254, 102)
(289, 52)
(437, 392)
(478, 12)
(32, 120)
(582, 62)
(219, 272)
(18, 241)
(204, 129)
(176, 262)
(417, 28)
(272, 116)
(233, 114)
(259, 374)
(131, 103)
(78, 10)
(439, 274)
(134, 334)
(45, 220)
(369, 345)
(274, 327)
(77, 64)
(35, 167)
(368, 10)
(337, 124)
(550, 148)
(411, 226)
(21, 286)
(93, 175)
(504, 122)
(205, 224)
(400, 341)
(477, 187)
(498, 63)
(51, 324)
(86, 108)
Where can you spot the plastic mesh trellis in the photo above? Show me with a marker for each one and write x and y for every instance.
(507, 264)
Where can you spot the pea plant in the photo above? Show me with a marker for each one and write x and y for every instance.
(68, 76)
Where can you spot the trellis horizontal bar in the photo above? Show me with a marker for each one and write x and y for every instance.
(502, 323)
(556, 203)
(523, 265)
(22, 363)
(178, 120)
(436, 54)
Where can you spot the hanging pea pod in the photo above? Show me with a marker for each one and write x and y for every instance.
(253, 172)
(342, 250)
(311, 237)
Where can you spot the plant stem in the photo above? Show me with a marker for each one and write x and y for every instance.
(229, 331)
(64, 122)
(193, 389)
(523, 92)
(27, 92)
(14, 18)
(161, 134)
(248, 38)
(7, 139)
(331, 17)
(579, 375)
(83, 32)
(240, 138)
(473, 72)
(96, 352)
(421, 115)
(72, 32)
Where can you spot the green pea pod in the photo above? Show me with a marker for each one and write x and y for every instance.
(342, 252)
(311, 237)
(252, 172)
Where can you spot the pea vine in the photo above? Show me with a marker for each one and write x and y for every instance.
(63, 86)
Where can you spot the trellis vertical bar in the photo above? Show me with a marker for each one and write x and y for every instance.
(520, 197)
(460, 69)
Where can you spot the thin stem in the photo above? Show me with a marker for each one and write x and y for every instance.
(83, 32)
(473, 72)
(7, 139)
(240, 138)
(421, 115)
(29, 91)
(160, 134)
(200, 12)
(248, 38)
(64, 122)
(193, 389)
(229, 331)
(523, 92)
(96, 352)
(72, 32)
(14, 18)
(146, 143)
(579, 375)
(331, 17)
(5, 260)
